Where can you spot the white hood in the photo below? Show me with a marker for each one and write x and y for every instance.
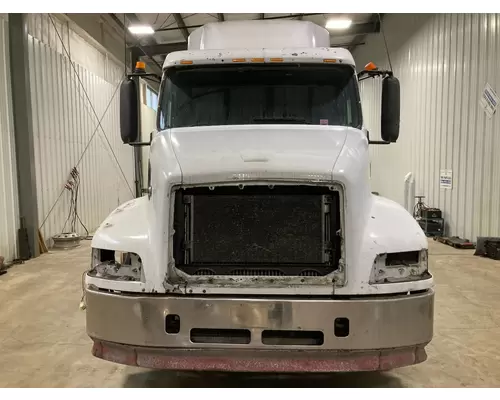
(224, 154)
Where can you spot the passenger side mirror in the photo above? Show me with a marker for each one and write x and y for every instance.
(390, 109)
(129, 118)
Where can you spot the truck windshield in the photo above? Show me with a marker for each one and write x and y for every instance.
(263, 94)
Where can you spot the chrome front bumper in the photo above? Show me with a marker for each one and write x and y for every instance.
(384, 332)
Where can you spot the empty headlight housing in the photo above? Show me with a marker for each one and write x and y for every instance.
(116, 265)
(400, 267)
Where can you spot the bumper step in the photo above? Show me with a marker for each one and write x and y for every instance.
(258, 361)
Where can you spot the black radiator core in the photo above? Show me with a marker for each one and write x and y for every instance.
(256, 230)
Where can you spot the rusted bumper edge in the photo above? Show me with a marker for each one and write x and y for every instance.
(285, 361)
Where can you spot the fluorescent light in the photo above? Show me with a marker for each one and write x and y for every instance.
(338, 23)
(141, 29)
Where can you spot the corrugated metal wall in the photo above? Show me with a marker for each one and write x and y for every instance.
(66, 127)
(443, 62)
(9, 214)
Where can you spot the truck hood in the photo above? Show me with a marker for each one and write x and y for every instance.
(225, 154)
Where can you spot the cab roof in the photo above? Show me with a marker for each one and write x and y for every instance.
(262, 55)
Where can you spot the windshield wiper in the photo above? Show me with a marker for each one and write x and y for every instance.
(282, 120)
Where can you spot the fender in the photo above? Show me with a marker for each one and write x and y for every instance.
(388, 220)
(127, 229)
(389, 229)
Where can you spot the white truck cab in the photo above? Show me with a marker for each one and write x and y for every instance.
(259, 246)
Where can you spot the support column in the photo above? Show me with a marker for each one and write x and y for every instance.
(23, 133)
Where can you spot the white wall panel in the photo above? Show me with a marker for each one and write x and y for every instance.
(443, 62)
(64, 123)
(9, 215)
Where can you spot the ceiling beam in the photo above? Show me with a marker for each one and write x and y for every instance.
(352, 46)
(358, 29)
(154, 64)
(181, 25)
(220, 17)
(157, 49)
(291, 16)
(375, 19)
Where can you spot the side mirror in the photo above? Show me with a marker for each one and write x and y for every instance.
(129, 118)
(390, 109)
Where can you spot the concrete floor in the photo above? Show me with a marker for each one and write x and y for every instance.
(43, 341)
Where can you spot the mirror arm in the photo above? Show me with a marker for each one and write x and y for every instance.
(143, 75)
(138, 144)
(378, 142)
(371, 74)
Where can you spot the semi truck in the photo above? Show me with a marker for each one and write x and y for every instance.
(258, 245)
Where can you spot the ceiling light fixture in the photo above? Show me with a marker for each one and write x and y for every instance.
(141, 29)
(338, 23)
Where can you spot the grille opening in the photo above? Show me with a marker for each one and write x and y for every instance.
(220, 336)
(404, 258)
(172, 323)
(257, 272)
(341, 327)
(292, 338)
(257, 231)
(243, 270)
(310, 272)
(204, 272)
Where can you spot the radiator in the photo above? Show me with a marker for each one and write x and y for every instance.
(257, 231)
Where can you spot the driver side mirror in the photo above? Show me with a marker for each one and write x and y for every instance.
(390, 109)
(129, 118)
